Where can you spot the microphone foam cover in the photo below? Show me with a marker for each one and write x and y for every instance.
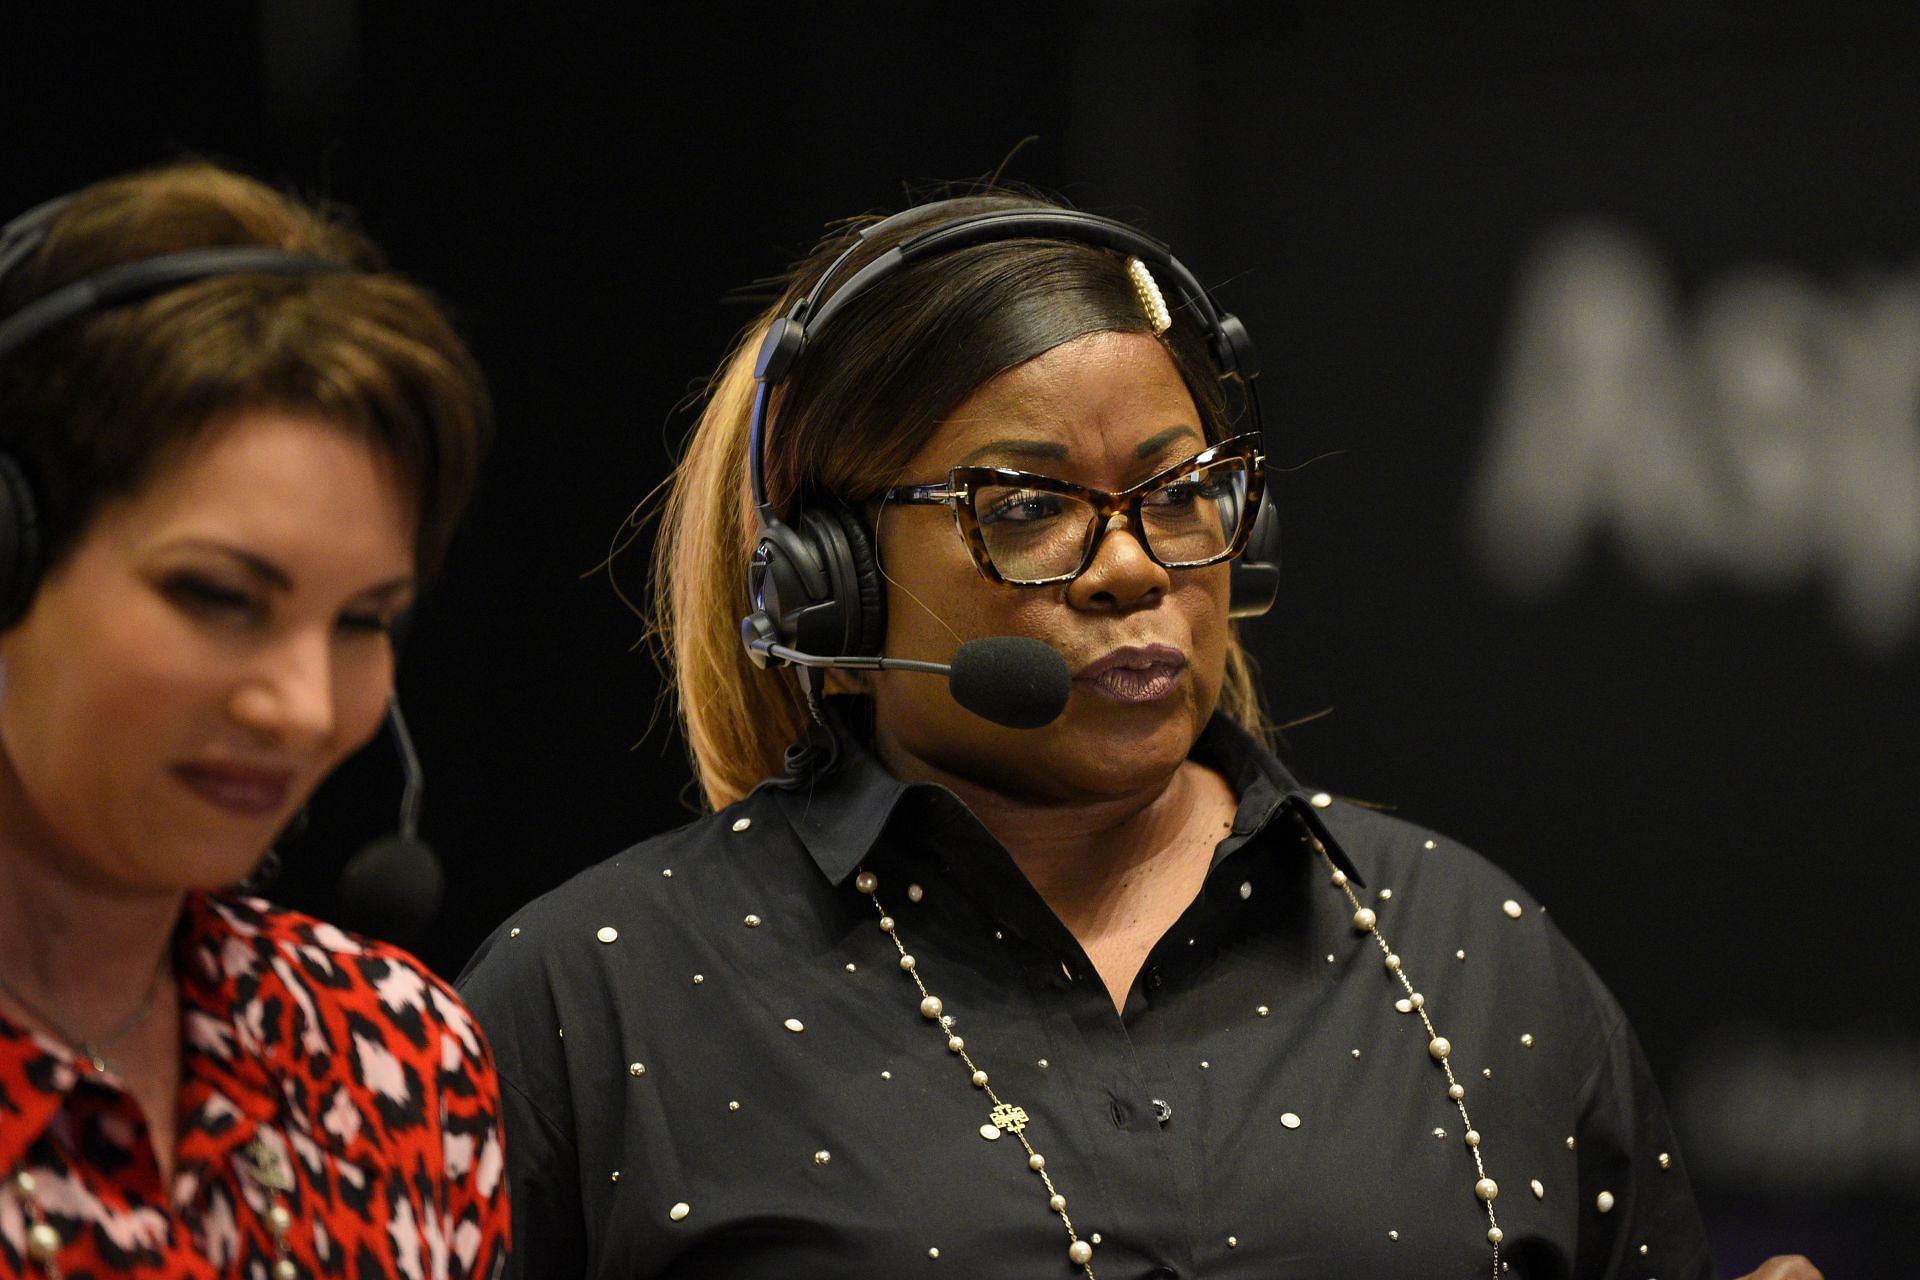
(391, 889)
(1016, 681)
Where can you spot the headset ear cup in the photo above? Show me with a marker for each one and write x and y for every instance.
(843, 619)
(1255, 575)
(1233, 349)
(870, 586)
(853, 612)
(784, 581)
(19, 541)
(826, 626)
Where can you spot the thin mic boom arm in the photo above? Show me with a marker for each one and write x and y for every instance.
(858, 662)
(410, 762)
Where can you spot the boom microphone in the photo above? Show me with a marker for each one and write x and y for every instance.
(392, 888)
(1015, 681)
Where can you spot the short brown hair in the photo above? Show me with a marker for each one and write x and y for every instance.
(858, 405)
(92, 408)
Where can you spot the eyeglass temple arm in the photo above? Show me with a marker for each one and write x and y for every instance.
(938, 494)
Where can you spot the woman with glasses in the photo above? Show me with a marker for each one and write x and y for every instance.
(1118, 996)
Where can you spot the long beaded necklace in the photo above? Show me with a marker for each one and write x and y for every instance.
(1485, 1189)
(262, 1163)
(43, 1238)
(1004, 1117)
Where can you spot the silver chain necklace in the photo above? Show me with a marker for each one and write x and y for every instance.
(94, 1049)
(262, 1163)
(1004, 1117)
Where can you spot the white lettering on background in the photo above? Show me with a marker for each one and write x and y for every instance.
(1766, 432)
(1808, 1115)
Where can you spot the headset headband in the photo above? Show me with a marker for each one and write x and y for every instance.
(20, 534)
(133, 281)
(814, 581)
(130, 281)
(788, 336)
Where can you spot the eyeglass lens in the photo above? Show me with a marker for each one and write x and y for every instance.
(1190, 519)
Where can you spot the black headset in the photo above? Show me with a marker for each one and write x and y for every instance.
(813, 579)
(20, 551)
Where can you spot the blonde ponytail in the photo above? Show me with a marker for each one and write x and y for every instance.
(738, 720)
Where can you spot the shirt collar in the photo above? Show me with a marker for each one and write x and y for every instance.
(836, 795)
(35, 1078)
(225, 1094)
(839, 799)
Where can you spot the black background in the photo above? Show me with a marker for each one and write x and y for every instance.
(1712, 787)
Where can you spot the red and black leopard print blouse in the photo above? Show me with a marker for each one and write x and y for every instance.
(357, 1069)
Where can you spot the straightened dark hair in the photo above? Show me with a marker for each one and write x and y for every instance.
(860, 401)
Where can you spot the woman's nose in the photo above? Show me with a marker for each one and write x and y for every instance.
(289, 697)
(1122, 575)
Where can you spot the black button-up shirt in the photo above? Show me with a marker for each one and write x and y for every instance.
(714, 1064)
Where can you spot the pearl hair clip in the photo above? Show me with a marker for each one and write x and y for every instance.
(1152, 301)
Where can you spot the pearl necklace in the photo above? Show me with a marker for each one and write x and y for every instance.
(262, 1163)
(1485, 1189)
(43, 1238)
(1006, 1118)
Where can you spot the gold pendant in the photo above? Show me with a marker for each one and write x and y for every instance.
(266, 1166)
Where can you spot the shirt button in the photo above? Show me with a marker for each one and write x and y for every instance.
(1153, 978)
